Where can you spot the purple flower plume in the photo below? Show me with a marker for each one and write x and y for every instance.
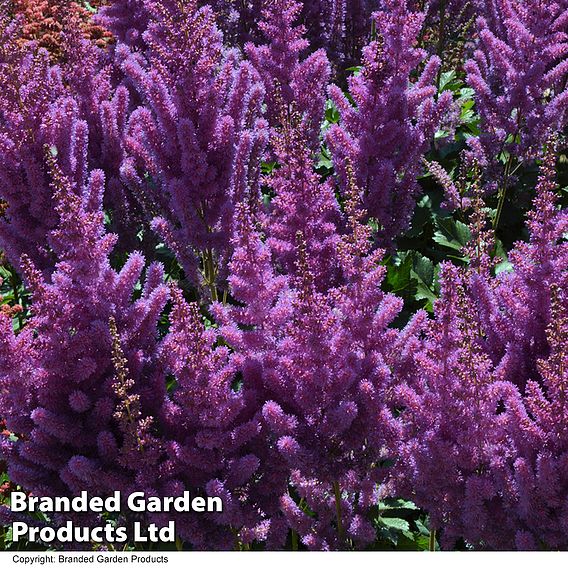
(518, 72)
(195, 133)
(385, 135)
(87, 351)
(485, 411)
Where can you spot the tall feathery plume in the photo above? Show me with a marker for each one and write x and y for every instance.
(385, 135)
(198, 123)
(321, 362)
(294, 83)
(518, 72)
(61, 401)
(487, 399)
(30, 88)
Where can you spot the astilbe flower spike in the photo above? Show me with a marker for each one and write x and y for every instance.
(71, 108)
(537, 424)
(105, 100)
(29, 87)
(291, 84)
(515, 307)
(301, 203)
(340, 27)
(208, 427)
(126, 19)
(60, 394)
(485, 410)
(321, 361)
(452, 434)
(518, 72)
(295, 104)
(197, 130)
(385, 135)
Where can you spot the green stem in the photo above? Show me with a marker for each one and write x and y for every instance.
(337, 493)
(432, 541)
(508, 167)
(210, 273)
(294, 537)
(503, 192)
(238, 546)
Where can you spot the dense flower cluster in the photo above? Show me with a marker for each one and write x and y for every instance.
(388, 131)
(295, 338)
(63, 403)
(31, 90)
(196, 131)
(519, 72)
(487, 413)
(525, 49)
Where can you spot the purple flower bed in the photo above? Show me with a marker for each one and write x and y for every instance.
(310, 258)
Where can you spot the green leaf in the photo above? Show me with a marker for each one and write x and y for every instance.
(422, 217)
(398, 273)
(324, 162)
(171, 384)
(451, 234)
(504, 265)
(467, 116)
(237, 384)
(422, 542)
(422, 528)
(467, 104)
(466, 92)
(331, 112)
(446, 80)
(394, 523)
(423, 273)
(267, 167)
(396, 504)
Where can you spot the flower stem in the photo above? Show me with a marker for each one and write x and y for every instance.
(432, 541)
(337, 493)
(210, 273)
(294, 538)
(503, 191)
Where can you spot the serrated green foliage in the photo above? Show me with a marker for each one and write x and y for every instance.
(400, 525)
(396, 504)
(451, 233)
(424, 272)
